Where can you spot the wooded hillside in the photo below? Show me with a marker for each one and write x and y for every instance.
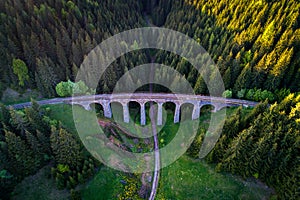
(52, 37)
(254, 43)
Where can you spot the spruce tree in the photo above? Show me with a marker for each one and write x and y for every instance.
(19, 121)
(44, 142)
(200, 86)
(22, 160)
(5, 115)
(65, 148)
(35, 117)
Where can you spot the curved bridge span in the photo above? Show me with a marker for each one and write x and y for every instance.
(197, 101)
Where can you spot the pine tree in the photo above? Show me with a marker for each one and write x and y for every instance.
(227, 78)
(35, 146)
(244, 80)
(60, 181)
(21, 157)
(35, 117)
(33, 142)
(18, 121)
(65, 148)
(46, 77)
(200, 86)
(5, 115)
(44, 142)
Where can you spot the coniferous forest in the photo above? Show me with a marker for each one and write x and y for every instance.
(255, 45)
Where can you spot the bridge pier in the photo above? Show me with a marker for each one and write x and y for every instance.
(126, 115)
(159, 114)
(177, 113)
(143, 114)
(196, 111)
(107, 109)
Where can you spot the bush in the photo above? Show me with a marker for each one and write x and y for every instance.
(258, 95)
(250, 94)
(66, 89)
(227, 94)
(241, 94)
(80, 88)
(63, 168)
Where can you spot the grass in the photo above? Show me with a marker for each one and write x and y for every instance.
(184, 179)
(106, 185)
(170, 129)
(190, 179)
(62, 113)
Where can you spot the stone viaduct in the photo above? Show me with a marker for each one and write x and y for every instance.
(197, 101)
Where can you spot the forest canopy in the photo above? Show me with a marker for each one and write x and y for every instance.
(255, 44)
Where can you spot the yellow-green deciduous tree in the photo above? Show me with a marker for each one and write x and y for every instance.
(20, 69)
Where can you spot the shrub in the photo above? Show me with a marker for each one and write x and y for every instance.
(227, 94)
(66, 89)
(63, 168)
(250, 94)
(241, 94)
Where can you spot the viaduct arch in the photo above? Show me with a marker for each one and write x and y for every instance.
(160, 98)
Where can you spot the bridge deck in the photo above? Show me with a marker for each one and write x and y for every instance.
(161, 96)
(138, 96)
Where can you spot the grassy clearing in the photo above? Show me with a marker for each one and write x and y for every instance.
(190, 179)
(62, 113)
(106, 185)
(184, 179)
(170, 129)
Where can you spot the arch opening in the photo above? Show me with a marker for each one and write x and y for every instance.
(186, 111)
(207, 108)
(98, 108)
(117, 111)
(206, 112)
(134, 111)
(148, 111)
(170, 109)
